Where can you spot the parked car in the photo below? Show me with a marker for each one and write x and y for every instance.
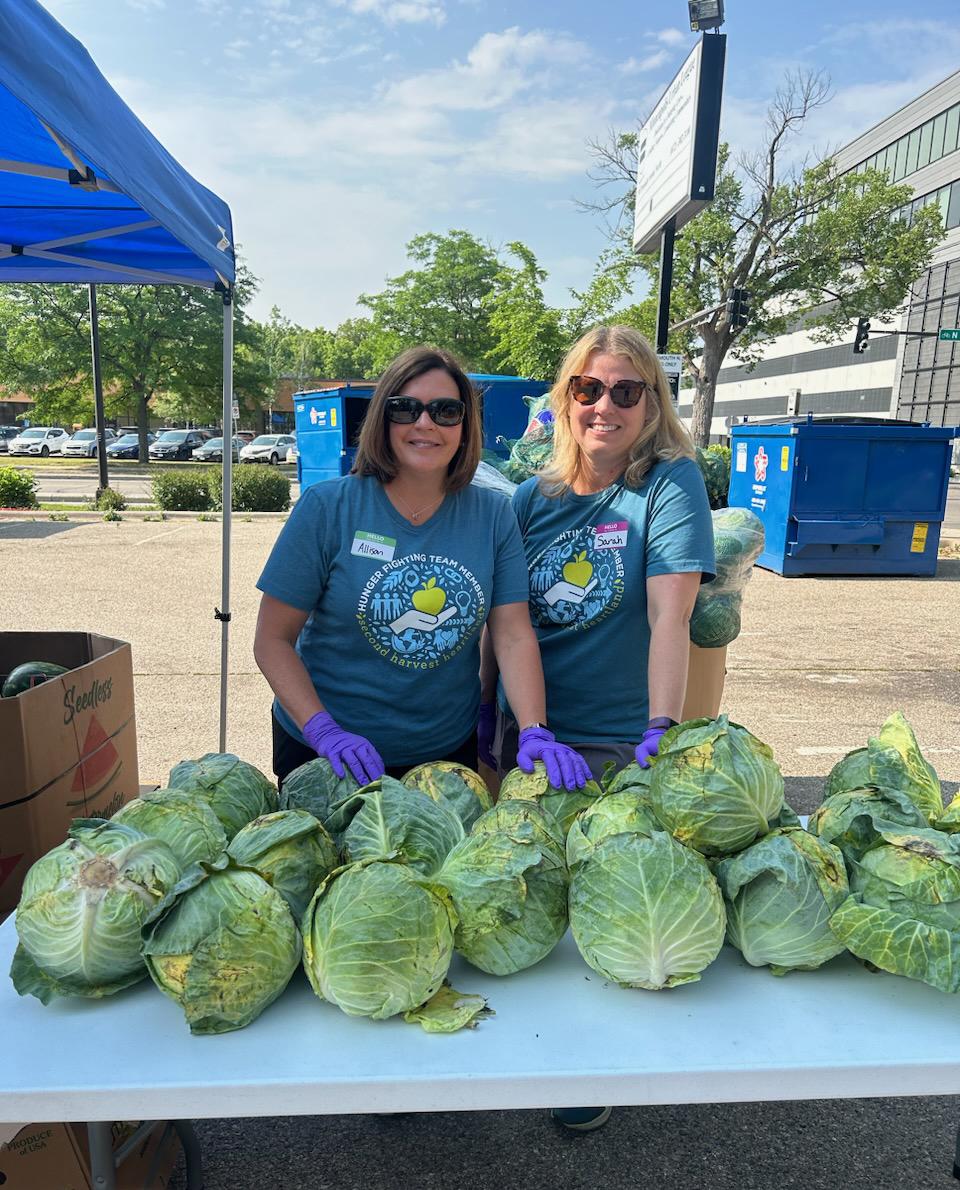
(292, 452)
(176, 444)
(84, 443)
(267, 448)
(7, 434)
(39, 440)
(246, 435)
(212, 450)
(127, 446)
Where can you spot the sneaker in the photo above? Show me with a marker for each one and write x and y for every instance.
(581, 1119)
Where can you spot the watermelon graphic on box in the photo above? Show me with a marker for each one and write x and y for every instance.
(99, 764)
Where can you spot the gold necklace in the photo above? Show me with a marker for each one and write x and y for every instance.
(414, 514)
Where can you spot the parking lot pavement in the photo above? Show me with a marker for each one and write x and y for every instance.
(819, 664)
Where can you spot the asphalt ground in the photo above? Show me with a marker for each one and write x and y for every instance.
(818, 666)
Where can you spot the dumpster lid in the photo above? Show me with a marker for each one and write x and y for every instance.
(825, 419)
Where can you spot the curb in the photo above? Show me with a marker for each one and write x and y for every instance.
(134, 514)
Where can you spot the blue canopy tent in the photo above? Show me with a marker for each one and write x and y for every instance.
(88, 194)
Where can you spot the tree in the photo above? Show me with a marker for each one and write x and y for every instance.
(529, 338)
(444, 301)
(154, 340)
(811, 245)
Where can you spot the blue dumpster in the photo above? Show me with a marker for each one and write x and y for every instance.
(839, 495)
(505, 412)
(328, 424)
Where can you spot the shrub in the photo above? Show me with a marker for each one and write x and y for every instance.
(109, 500)
(182, 491)
(112, 515)
(17, 489)
(255, 489)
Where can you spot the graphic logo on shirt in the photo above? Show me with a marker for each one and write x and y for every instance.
(576, 582)
(421, 610)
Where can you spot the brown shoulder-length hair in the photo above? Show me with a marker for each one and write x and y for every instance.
(663, 435)
(374, 455)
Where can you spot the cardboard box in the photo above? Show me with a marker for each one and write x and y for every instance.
(706, 671)
(57, 1157)
(68, 747)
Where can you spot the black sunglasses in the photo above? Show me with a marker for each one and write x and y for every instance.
(444, 411)
(587, 390)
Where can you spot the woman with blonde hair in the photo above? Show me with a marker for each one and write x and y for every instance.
(379, 585)
(618, 538)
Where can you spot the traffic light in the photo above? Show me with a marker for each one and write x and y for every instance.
(738, 308)
(860, 342)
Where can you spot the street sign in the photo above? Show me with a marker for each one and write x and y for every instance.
(235, 410)
(950, 335)
(677, 146)
(672, 364)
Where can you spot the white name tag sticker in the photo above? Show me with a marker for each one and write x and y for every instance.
(612, 536)
(373, 545)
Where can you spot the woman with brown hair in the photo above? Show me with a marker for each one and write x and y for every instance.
(379, 585)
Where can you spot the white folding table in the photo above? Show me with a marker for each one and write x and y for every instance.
(561, 1035)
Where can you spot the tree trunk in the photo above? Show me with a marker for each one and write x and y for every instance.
(706, 389)
(143, 421)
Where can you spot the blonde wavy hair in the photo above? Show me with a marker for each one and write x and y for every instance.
(663, 435)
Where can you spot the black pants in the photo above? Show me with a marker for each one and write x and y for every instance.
(290, 754)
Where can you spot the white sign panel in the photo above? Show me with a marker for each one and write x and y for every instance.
(676, 158)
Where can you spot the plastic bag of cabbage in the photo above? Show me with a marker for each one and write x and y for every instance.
(738, 538)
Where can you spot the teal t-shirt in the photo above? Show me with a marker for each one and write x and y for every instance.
(393, 640)
(589, 558)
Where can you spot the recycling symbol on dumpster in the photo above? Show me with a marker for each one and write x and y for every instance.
(760, 461)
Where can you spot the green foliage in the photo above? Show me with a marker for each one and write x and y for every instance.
(182, 491)
(112, 515)
(160, 341)
(110, 500)
(17, 489)
(442, 301)
(530, 340)
(255, 489)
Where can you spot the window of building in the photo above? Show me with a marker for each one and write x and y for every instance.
(943, 198)
(900, 164)
(936, 144)
(913, 151)
(953, 212)
(952, 129)
(926, 134)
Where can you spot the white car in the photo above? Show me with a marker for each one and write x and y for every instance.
(267, 448)
(292, 452)
(39, 440)
(84, 443)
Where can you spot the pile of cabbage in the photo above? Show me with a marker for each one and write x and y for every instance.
(219, 889)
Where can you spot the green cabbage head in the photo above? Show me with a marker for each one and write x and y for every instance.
(236, 791)
(223, 944)
(563, 804)
(627, 812)
(780, 893)
(377, 940)
(291, 851)
(891, 760)
(904, 914)
(508, 883)
(187, 824)
(391, 821)
(646, 912)
(854, 819)
(315, 787)
(715, 786)
(82, 907)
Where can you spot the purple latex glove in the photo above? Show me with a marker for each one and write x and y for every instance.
(649, 746)
(327, 738)
(486, 727)
(564, 767)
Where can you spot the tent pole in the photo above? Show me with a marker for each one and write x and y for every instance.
(98, 389)
(223, 612)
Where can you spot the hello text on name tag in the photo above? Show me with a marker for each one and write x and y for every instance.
(611, 536)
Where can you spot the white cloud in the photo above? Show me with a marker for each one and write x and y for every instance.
(398, 12)
(499, 67)
(643, 65)
(544, 140)
(673, 36)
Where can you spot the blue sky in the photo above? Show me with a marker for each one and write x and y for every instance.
(338, 129)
